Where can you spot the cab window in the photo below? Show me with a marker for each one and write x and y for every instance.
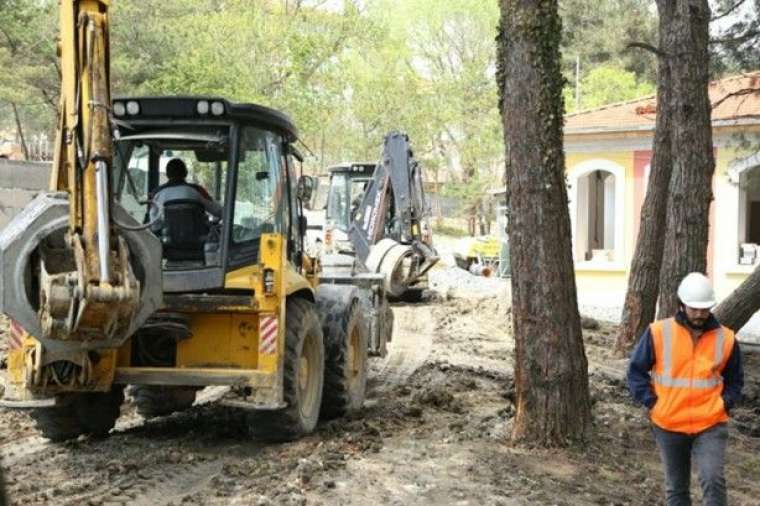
(260, 196)
(337, 201)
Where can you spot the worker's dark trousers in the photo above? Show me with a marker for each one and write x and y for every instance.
(708, 449)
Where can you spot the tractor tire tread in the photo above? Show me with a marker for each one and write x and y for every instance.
(338, 398)
(287, 424)
(93, 413)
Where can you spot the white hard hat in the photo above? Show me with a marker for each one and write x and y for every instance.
(696, 291)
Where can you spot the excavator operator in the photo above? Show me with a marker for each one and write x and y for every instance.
(177, 188)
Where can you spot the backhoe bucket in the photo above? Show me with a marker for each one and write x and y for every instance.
(401, 264)
(52, 314)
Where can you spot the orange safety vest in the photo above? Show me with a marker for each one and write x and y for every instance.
(686, 376)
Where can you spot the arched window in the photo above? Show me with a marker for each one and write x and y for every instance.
(595, 229)
(596, 210)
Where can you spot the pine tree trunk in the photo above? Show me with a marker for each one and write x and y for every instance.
(686, 229)
(644, 279)
(736, 309)
(551, 376)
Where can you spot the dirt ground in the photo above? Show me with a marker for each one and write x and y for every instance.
(434, 430)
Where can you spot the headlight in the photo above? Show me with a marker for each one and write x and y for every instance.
(268, 282)
(133, 108)
(217, 108)
(119, 109)
(202, 107)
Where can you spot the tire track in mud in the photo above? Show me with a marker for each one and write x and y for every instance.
(410, 347)
(175, 484)
(166, 479)
(17, 451)
(158, 485)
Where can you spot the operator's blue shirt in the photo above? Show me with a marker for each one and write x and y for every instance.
(642, 361)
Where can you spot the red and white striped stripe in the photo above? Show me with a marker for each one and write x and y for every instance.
(268, 334)
(15, 336)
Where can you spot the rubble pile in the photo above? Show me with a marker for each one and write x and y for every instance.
(453, 282)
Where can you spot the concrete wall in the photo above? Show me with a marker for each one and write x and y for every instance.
(19, 183)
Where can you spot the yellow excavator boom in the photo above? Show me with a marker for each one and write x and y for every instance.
(96, 295)
(67, 272)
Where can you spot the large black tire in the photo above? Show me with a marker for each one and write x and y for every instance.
(303, 378)
(345, 361)
(59, 423)
(154, 400)
(93, 413)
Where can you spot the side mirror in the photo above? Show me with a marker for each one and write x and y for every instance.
(305, 190)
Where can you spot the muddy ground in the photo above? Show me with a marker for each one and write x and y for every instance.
(434, 430)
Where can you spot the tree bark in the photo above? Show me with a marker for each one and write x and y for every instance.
(20, 131)
(686, 230)
(736, 309)
(551, 371)
(644, 278)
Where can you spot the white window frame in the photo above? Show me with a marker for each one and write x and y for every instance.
(737, 199)
(584, 168)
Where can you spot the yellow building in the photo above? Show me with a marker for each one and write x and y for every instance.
(608, 158)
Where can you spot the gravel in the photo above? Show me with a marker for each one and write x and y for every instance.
(453, 282)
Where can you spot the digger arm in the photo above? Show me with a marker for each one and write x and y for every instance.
(387, 226)
(83, 149)
(395, 192)
(66, 272)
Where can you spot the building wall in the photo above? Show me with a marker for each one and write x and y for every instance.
(19, 183)
(606, 282)
(727, 272)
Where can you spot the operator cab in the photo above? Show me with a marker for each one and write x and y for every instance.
(348, 182)
(237, 156)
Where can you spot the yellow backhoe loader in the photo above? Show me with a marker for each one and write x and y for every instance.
(106, 287)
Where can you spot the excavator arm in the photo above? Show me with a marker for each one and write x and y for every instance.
(68, 275)
(388, 227)
(96, 295)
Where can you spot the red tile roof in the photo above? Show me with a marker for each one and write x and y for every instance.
(732, 98)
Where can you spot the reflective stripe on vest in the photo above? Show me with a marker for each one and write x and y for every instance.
(667, 380)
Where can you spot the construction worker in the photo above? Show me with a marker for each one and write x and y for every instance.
(687, 373)
(177, 188)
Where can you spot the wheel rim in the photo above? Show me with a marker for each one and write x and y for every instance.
(308, 375)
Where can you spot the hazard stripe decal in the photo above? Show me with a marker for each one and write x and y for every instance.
(14, 343)
(268, 334)
(15, 336)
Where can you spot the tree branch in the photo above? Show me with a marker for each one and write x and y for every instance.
(739, 39)
(11, 43)
(645, 46)
(728, 11)
(739, 93)
(50, 100)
